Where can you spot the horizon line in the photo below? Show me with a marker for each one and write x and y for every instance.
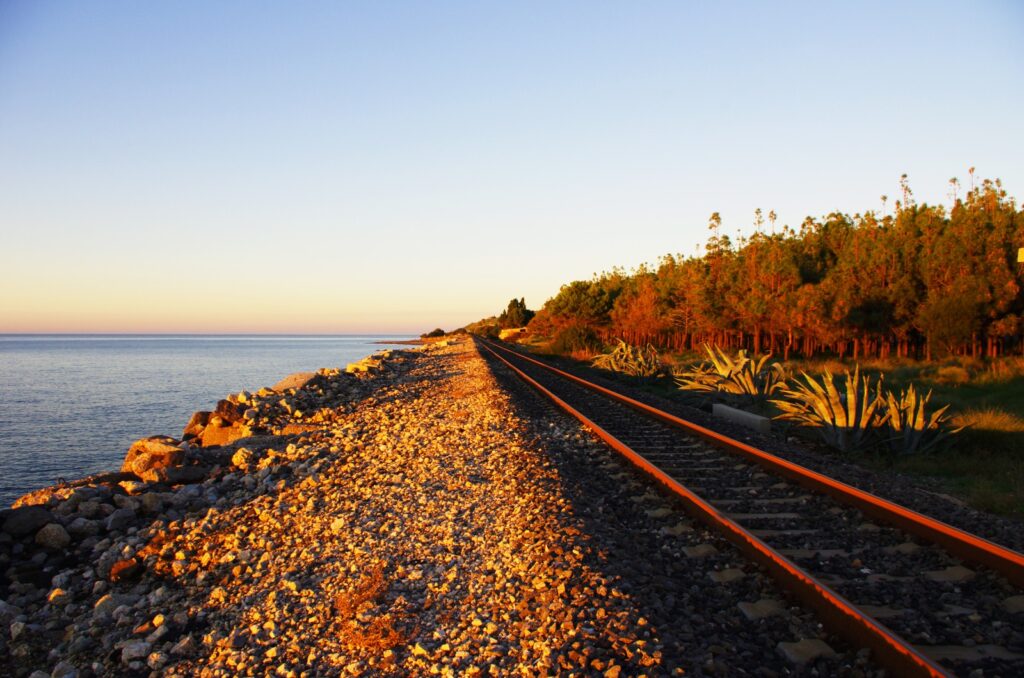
(205, 334)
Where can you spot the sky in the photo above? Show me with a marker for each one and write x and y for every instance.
(397, 166)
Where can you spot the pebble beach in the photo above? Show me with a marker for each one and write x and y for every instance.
(419, 514)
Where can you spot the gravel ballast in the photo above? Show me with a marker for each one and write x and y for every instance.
(433, 516)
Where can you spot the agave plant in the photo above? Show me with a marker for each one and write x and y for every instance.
(847, 419)
(911, 429)
(698, 377)
(753, 378)
(632, 360)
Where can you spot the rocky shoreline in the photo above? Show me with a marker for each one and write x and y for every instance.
(419, 513)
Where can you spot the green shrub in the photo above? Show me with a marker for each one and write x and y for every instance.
(433, 333)
(575, 338)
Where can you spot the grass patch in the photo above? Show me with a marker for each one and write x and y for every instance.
(986, 468)
(986, 480)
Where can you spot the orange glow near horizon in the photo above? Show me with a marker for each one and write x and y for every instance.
(121, 320)
(145, 310)
(427, 168)
(308, 284)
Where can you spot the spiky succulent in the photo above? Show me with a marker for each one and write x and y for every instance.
(846, 416)
(910, 427)
(752, 378)
(861, 415)
(632, 360)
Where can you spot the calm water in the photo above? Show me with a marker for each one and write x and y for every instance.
(71, 405)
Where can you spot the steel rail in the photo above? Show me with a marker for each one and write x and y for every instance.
(840, 615)
(964, 545)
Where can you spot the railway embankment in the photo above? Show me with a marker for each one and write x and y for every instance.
(823, 546)
(413, 517)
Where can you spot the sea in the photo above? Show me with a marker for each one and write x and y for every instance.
(70, 405)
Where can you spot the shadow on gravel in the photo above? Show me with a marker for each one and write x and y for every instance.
(633, 535)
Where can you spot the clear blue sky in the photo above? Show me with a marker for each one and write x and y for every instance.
(344, 166)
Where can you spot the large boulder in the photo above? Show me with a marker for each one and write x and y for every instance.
(223, 433)
(367, 364)
(81, 528)
(229, 411)
(147, 456)
(210, 456)
(45, 495)
(180, 475)
(26, 520)
(126, 570)
(196, 425)
(53, 536)
(120, 519)
(297, 380)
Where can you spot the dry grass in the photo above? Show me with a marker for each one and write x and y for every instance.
(377, 634)
(985, 466)
(952, 374)
(990, 419)
(993, 483)
(1001, 371)
(583, 354)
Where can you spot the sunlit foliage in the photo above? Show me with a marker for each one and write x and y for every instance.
(751, 378)
(635, 361)
(846, 416)
(922, 281)
(858, 415)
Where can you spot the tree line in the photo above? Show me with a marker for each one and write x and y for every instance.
(922, 281)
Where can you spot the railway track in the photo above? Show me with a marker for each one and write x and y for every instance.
(926, 598)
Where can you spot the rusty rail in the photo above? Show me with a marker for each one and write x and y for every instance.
(843, 617)
(964, 545)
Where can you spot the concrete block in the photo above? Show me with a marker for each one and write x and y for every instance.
(743, 418)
